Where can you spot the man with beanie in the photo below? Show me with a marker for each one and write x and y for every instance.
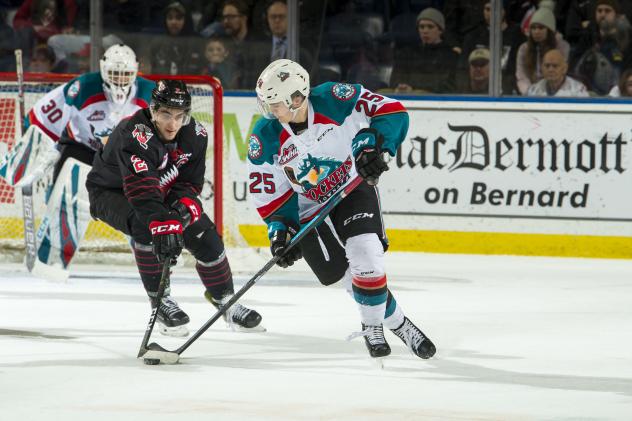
(604, 50)
(429, 66)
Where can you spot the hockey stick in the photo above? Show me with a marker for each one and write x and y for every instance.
(170, 357)
(27, 191)
(146, 351)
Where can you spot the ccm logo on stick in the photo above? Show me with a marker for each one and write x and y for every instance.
(357, 216)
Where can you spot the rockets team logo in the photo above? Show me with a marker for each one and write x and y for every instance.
(343, 91)
(142, 134)
(255, 148)
(320, 178)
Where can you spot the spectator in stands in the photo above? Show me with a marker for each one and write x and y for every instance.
(461, 16)
(44, 61)
(37, 20)
(179, 51)
(8, 44)
(542, 38)
(605, 48)
(556, 82)
(431, 65)
(219, 62)
(512, 38)
(477, 81)
(624, 87)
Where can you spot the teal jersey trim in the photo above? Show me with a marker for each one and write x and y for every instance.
(289, 211)
(335, 100)
(264, 141)
(393, 127)
(78, 90)
(144, 88)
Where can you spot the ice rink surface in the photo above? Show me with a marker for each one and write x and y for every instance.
(518, 339)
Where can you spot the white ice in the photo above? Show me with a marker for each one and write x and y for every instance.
(518, 339)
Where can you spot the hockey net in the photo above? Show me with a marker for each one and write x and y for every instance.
(206, 93)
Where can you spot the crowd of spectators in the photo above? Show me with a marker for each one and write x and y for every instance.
(549, 47)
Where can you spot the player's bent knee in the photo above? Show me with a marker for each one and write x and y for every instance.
(365, 253)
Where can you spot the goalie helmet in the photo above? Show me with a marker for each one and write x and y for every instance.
(172, 93)
(118, 71)
(281, 81)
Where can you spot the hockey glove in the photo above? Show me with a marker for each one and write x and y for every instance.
(280, 232)
(189, 210)
(367, 151)
(166, 238)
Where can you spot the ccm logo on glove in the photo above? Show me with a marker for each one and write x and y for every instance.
(166, 227)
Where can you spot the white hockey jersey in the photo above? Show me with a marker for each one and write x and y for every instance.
(81, 108)
(295, 175)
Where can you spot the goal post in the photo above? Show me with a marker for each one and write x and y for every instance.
(207, 108)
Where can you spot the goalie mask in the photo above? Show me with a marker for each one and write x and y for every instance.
(118, 71)
(281, 82)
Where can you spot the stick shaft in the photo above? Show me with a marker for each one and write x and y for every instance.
(322, 214)
(164, 281)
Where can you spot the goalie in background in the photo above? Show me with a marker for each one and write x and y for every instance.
(65, 129)
(145, 183)
(309, 146)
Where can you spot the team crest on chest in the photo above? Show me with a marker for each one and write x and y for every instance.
(320, 177)
(142, 134)
(343, 91)
(255, 147)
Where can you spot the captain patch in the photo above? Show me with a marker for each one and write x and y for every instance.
(255, 148)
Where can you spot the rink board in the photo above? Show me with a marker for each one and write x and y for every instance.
(486, 177)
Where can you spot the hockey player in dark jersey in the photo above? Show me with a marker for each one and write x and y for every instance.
(145, 182)
(311, 144)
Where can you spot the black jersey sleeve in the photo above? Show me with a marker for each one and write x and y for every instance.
(138, 163)
(191, 174)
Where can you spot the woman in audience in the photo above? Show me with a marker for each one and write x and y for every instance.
(542, 38)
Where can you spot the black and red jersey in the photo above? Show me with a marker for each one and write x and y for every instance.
(151, 174)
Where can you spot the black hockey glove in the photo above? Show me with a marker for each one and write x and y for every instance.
(367, 151)
(166, 239)
(190, 210)
(281, 232)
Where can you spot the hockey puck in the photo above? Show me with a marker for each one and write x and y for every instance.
(151, 361)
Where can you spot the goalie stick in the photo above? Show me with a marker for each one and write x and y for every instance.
(27, 191)
(155, 351)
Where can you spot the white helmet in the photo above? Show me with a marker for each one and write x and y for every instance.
(118, 71)
(279, 82)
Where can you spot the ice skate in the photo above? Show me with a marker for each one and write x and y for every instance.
(418, 343)
(171, 319)
(238, 317)
(375, 341)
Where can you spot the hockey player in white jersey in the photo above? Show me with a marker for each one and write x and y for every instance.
(311, 144)
(74, 121)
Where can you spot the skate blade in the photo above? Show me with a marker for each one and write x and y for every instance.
(236, 328)
(175, 331)
(377, 362)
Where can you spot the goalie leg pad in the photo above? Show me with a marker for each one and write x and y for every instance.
(67, 216)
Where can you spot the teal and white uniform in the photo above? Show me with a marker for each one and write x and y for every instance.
(292, 176)
(295, 175)
(82, 109)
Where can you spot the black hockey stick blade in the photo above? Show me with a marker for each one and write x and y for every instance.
(322, 214)
(164, 281)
